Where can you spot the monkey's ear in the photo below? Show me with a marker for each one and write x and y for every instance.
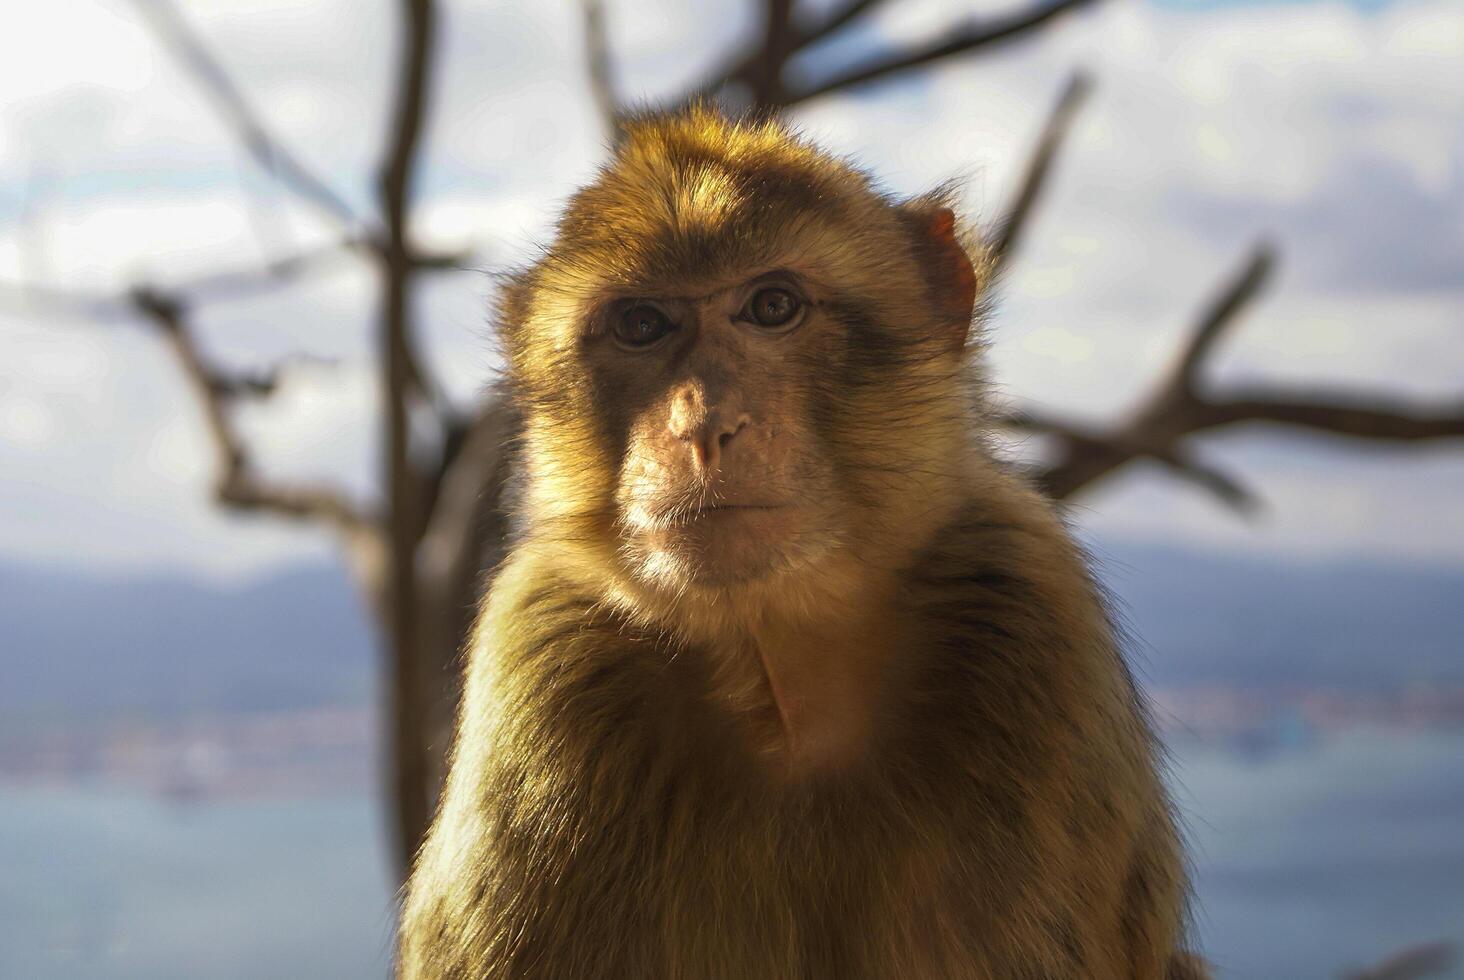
(947, 266)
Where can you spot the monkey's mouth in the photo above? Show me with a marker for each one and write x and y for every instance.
(717, 511)
(715, 544)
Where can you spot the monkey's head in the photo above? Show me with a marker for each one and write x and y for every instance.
(740, 361)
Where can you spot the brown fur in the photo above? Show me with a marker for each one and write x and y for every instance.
(890, 733)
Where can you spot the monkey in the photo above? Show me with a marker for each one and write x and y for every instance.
(787, 673)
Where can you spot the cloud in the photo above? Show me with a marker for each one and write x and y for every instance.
(105, 463)
(1331, 130)
(1414, 237)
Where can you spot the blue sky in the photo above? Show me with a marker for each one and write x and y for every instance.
(1331, 128)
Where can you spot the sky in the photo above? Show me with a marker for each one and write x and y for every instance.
(1334, 130)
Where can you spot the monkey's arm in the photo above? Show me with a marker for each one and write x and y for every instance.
(551, 746)
(1063, 786)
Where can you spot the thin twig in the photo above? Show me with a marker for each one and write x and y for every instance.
(79, 304)
(269, 152)
(1222, 312)
(799, 35)
(601, 68)
(962, 40)
(1227, 489)
(263, 382)
(236, 485)
(247, 282)
(240, 283)
(1004, 242)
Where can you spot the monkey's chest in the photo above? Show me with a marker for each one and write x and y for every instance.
(733, 893)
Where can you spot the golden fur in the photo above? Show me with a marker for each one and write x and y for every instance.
(903, 744)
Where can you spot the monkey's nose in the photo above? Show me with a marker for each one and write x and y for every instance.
(709, 446)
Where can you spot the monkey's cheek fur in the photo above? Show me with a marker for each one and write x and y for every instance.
(721, 547)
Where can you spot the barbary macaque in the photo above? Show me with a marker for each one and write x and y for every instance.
(786, 674)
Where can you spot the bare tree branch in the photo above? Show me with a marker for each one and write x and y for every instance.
(263, 382)
(962, 40)
(247, 282)
(743, 64)
(1224, 487)
(764, 74)
(1222, 313)
(93, 305)
(274, 157)
(236, 485)
(1377, 417)
(1179, 409)
(466, 538)
(1092, 450)
(411, 769)
(226, 285)
(78, 304)
(832, 22)
(270, 227)
(425, 556)
(239, 115)
(601, 68)
(1008, 234)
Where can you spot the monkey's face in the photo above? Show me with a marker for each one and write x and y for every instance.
(713, 397)
(739, 360)
(729, 429)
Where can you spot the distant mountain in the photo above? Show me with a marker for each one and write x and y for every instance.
(75, 645)
(1200, 617)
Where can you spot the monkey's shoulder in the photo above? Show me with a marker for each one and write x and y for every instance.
(1006, 568)
(1012, 633)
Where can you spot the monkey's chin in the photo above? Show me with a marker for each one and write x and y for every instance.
(719, 549)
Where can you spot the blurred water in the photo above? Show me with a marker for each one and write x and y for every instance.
(1309, 859)
(1327, 855)
(98, 884)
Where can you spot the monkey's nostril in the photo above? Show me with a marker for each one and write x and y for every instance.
(726, 437)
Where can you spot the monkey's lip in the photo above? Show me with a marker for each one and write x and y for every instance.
(710, 511)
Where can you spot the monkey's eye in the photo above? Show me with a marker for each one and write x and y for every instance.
(773, 307)
(641, 325)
